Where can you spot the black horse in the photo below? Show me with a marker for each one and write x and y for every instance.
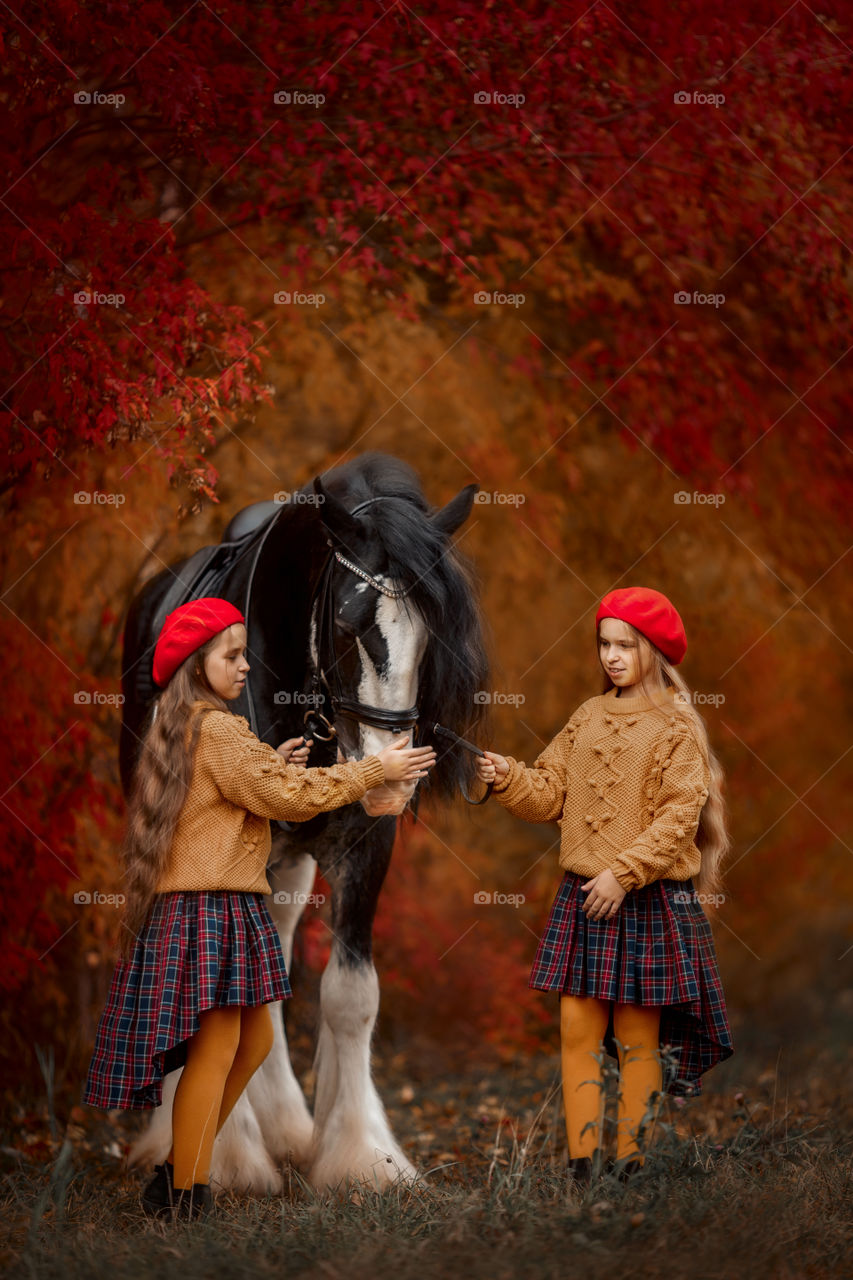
(362, 621)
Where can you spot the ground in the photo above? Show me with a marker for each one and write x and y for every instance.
(746, 1183)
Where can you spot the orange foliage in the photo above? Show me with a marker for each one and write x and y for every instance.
(454, 972)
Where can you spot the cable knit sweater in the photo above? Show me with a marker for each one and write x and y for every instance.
(222, 838)
(626, 784)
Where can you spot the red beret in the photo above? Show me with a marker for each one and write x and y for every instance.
(188, 627)
(650, 612)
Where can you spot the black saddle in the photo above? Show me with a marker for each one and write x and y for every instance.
(207, 569)
(248, 520)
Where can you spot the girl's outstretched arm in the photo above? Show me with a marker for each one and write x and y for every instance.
(536, 793)
(678, 801)
(253, 775)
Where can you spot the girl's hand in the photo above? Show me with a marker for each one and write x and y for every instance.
(293, 753)
(491, 766)
(405, 764)
(605, 896)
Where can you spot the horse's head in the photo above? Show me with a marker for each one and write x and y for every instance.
(372, 652)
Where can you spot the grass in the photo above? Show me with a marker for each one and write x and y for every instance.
(733, 1185)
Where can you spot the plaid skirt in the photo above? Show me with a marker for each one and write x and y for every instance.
(657, 949)
(198, 950)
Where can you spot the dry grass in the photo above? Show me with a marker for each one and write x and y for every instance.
(756, 1185)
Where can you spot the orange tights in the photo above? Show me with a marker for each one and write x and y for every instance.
(583, 1023)
(222, 1056)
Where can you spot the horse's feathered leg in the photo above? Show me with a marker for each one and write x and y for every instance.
(353, 1137)
(274, 1091)
(352, 1134)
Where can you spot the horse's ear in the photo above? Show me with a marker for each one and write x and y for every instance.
(456, 512)
(336, 520)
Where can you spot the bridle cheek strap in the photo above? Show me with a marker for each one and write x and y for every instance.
(326, 666)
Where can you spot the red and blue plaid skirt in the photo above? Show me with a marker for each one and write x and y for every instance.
(657, 949)
(198, 950)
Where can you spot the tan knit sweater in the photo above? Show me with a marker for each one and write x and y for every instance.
(625, 782)
(222, 838)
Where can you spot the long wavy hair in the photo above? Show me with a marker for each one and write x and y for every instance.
(712, 836)
(160, 782)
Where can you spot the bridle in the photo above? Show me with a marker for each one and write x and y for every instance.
(325, 670)
(325, 665)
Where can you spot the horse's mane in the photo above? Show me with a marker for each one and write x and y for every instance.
(444, 588)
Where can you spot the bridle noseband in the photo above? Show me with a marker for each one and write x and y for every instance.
(326, 666)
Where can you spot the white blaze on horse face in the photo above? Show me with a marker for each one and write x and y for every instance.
(395, 689)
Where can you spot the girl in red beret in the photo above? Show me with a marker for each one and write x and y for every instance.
(637, 792)
(200, 959)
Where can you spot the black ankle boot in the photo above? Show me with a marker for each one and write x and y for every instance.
(628, 1169)
(193, 1202)
(158, 1195)
(580, 1170)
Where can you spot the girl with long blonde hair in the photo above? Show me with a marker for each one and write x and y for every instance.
(638, 794)
(200, 959)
